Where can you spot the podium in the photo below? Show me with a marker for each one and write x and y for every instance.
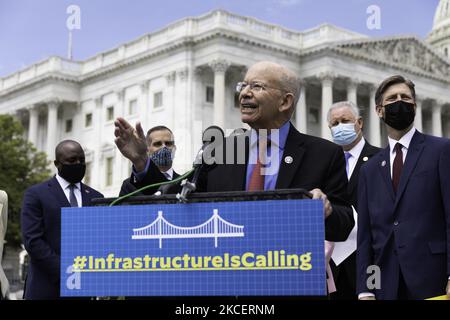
(227, 244)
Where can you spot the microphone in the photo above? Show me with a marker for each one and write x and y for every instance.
(206, 158)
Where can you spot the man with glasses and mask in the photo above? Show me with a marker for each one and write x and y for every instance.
(404, 205)
(268, 97)
(41, 219)
(161, 150)
(346, 126)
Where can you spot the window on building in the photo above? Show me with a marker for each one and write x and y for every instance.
(69, 124)
(109, 171)
(158, 99)
(446, 52)
(88, 120)
(110, 113)
(132, 106)
(210, 94)
(87, 175)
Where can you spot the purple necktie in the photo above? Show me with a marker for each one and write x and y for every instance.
(347, 156)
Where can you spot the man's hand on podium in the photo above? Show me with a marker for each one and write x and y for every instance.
(327, 208)
(131, 142)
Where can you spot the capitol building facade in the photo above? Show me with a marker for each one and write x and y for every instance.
(184, 76)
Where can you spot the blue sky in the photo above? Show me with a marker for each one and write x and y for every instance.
(31, 30)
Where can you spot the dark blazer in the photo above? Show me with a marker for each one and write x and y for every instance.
(408, 230)
(366, 153)
(317, 163)
(156, 177)
(345, 274)
(41, 234)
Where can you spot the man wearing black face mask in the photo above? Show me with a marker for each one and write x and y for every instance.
(404, 205)
(161, 150)
(41, 219)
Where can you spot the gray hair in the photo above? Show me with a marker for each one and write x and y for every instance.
(342, 104)
(291, 83)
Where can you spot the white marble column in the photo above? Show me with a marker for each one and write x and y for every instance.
(301, 114)
(170, 97)
(33, 125)
(418, 122)
(219, 67)
(327, 101)
(374, 120)
(437, 118)
(120, 109)
(143, 105)
(52, 126)
(352, 91)
(97, 122)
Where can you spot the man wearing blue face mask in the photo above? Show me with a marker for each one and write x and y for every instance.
(346, 126)
(161, 150)
(404, 205)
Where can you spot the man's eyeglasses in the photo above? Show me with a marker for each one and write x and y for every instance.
(254, 87)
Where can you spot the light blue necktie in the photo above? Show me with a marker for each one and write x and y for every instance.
(347, 156)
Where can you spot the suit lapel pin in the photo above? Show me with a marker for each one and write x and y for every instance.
(365, 159)
(288, 159)
(87, 191)
(383, 164)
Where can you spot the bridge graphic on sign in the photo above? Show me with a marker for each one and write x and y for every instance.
(215, 227)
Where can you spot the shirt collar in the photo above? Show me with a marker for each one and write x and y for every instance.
(404, 141)
(356, 150)
(278, 140)
(65, 184)
(169, 172)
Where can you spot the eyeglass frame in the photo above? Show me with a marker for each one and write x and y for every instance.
(242, 85)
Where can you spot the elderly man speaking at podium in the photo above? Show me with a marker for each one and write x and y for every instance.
(268, 96)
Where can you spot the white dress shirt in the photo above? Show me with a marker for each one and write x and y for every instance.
(405, 141)
(355, 152)
(65, 186)
(168, 174)
(343, 250)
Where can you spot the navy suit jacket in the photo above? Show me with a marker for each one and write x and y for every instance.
(410, 230)
(41, 234)
(317, 163)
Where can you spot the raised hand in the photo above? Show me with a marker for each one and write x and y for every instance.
(131, 142)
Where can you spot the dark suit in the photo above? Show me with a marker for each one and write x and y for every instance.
(317, 163)
(345, 274)
(41, 234)
(407, 232)
(157, 177)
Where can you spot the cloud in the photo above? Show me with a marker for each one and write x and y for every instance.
(276, 6)
(288, 3)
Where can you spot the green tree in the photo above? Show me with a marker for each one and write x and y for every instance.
(21, 166)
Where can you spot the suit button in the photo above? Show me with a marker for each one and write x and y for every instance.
(396, 223)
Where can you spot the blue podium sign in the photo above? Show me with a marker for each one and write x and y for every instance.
(248, 248)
